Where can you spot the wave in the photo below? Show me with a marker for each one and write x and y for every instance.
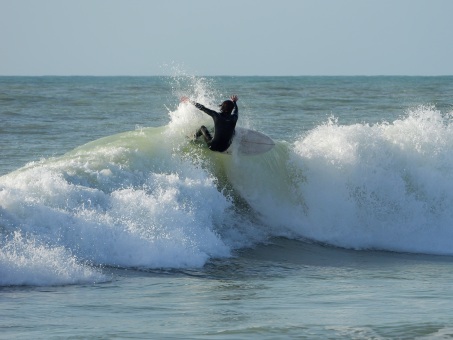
(151, 198)
(386, 186)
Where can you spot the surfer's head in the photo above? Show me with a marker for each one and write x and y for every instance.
(227, 106)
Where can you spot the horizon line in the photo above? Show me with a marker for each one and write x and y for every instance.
(224, 75)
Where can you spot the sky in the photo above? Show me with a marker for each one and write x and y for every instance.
(233, 37)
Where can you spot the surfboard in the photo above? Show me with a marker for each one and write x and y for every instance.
(250, 142)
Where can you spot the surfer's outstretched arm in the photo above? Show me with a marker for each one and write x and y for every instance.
(199, 106)
(234, 99)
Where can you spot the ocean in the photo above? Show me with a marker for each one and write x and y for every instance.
(115, 225)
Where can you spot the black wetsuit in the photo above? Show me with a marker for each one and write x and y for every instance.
(224, 125)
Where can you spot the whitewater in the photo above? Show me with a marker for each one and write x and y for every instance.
(148, 199)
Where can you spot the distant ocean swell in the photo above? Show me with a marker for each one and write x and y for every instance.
(151, 199)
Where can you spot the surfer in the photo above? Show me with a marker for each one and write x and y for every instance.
(224, 123)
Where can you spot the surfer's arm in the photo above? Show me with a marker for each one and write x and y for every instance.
(203, 108)
(234, 99)
(235, 110)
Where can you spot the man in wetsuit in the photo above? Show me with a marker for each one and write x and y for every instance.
(224, 123)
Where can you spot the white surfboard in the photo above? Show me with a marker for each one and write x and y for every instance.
(250, 142)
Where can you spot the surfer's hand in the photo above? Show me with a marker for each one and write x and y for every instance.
(185, 99)
(234, 98)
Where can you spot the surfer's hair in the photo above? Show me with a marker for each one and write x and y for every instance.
(227, 106)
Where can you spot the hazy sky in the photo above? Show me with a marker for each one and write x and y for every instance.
(232, 37)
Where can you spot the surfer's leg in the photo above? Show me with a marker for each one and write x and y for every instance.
(197, 134)
(204, 131)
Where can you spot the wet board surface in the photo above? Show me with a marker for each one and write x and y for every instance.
(250, 142)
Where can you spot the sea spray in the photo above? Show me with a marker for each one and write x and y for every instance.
(26, 261)
(384, 186)
(117, 202)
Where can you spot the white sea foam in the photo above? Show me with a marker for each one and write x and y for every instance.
(24, 261)
(386, 186)
(114, 206)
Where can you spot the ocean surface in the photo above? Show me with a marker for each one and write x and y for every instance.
(114, 225)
